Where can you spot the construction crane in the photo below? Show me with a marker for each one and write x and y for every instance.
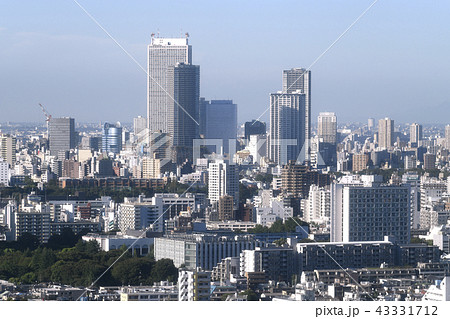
(47, 116)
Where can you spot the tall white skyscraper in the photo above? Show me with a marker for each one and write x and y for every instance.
(139, 124)
(327, 127)
(162, 54)
(415, 134)
(385, 133)
(447, 137)
(299, 80)
(287, 127)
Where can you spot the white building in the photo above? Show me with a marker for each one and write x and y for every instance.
(138, 215)
(194, 285)
(141, 245)
(162, 54)
(438, 292)
(369, 211)
(257, 146)
(327, 127)
(317, 207)
(5, 173)
(163, 291)
(223, 179)
(287, 126)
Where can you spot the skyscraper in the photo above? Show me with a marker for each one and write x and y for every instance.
(112, 138)
(327, 127)
(139, 124)
(163, 53)
(415, 134)
(385, 133)
(299, 80)
(287, 127)
(184, 86)
(370, 124)
(221, 123)
(447, 137)
(61, 134)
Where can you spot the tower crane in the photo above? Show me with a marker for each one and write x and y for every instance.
(46, 114)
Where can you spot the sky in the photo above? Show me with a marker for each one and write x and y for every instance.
(393, 63)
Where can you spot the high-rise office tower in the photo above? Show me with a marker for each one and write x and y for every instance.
(299, 80)
(61, 134)
(287, 127)
(203, 104)
(139, 124)
(163, 53)
(8, 149)
(254, 127)
(184, 86)
(370, 124)
(221, 123)
(447, 137)
(385, 133)
(415, 134)
(327, 127)
(112, 138)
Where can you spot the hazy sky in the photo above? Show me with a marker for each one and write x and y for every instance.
(394, 62)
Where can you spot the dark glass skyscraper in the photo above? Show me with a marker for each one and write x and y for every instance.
(61, 135)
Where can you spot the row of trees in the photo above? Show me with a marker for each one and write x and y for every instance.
(81, 265)
(279, 226)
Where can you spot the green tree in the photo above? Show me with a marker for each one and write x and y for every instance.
(164, 269)
(133, 271)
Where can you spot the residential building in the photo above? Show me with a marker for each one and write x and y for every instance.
(5, 173)
(278, 263)
(287, 128)
(201, 250)
(223, 179)
(360, 162)
(162, 291)
(299, 80)
(8, 149)
(137, 214)
(327, 127)
(296, 179)
(194, 285)
(370, 211)
(385, 133)
(415, 134)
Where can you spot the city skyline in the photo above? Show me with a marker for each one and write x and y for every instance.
(104, 90)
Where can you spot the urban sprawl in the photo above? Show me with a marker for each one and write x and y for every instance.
(187, 204)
